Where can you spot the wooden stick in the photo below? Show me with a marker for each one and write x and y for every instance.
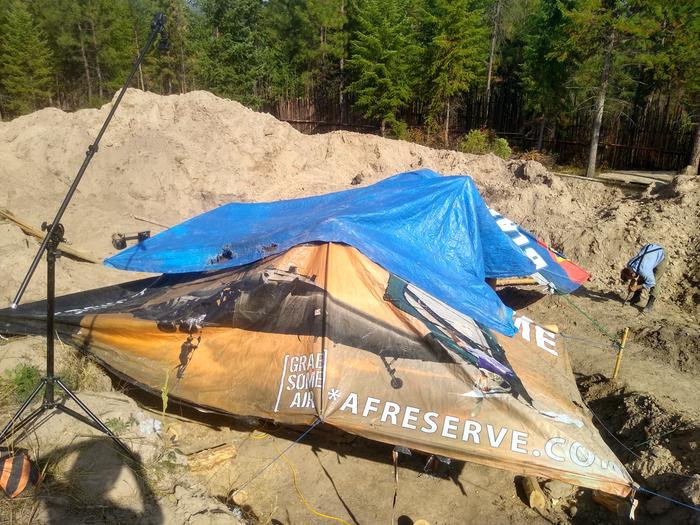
(618, 361)
(533, 492)
(620, 506)
(206, 460)
(29, 230)
(510, 281)
(148, 221)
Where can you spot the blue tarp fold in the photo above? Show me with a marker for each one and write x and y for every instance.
(433, 231)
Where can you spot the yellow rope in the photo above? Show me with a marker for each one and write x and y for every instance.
(258, 434)
(296, 486)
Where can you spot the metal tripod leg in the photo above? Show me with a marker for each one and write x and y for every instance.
(96, 421)
(16, 423)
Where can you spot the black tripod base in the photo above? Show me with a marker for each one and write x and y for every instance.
(17, 423)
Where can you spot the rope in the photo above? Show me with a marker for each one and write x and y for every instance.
(599, 327)
(259, 435)
(611, 433)
(313, 425)
(691, 507)
(395, 459)
(589, 342)
(303, 499)
(657, 436)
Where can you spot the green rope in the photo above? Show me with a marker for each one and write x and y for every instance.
(600, 327)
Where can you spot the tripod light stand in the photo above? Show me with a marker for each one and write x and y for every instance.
(50, 245)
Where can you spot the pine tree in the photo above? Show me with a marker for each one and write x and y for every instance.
(25, 62)
(235, 57)
(107, 30)
(608, 39)
(457, 54)
(383, 61)
(675, 57)
(173, 69)
(59, 20)
(324, 42)
(544, 77)
(309, 43)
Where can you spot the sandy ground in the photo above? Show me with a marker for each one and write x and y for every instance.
(165, 159)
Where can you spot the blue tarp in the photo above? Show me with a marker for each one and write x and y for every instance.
(433, 231)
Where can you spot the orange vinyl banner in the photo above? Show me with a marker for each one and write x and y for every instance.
(321, 332)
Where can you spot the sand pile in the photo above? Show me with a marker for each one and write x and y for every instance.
(168, 158)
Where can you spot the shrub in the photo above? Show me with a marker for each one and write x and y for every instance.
(20, 382)
(398, 128)
(481, 141)
(545, 158)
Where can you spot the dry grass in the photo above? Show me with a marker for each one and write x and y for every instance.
(18, 510)
(80, 372)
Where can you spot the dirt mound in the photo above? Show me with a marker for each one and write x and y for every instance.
(661, 449)
(167, 158)
(677, 344)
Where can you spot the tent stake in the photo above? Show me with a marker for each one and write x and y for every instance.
(620, 352)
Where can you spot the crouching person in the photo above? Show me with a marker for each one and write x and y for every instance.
(643, 271)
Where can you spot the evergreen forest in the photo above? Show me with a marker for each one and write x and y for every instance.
(548, 72)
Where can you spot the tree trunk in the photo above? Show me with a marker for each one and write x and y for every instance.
(447, 124)
(138, 52)
(85, 63)
(183, 82)
(342, 79)
(600, 105)
(692, 168)
(382, 127)
(494, 35)
(540, 135)
(341, 94)
(98, 71)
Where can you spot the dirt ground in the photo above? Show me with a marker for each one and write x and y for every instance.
(165, 159)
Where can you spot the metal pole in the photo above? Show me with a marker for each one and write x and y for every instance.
(50, 309)
(620, 352)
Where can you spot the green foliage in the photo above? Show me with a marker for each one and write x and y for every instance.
(25, 62)
(382, 60)
(235, 59)
(544, 76)
(592, 28)
(119, 426)
(480, 141)
(675, 48)
(165, 393)
(309, 40)
(20, 382)
(457, 52)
